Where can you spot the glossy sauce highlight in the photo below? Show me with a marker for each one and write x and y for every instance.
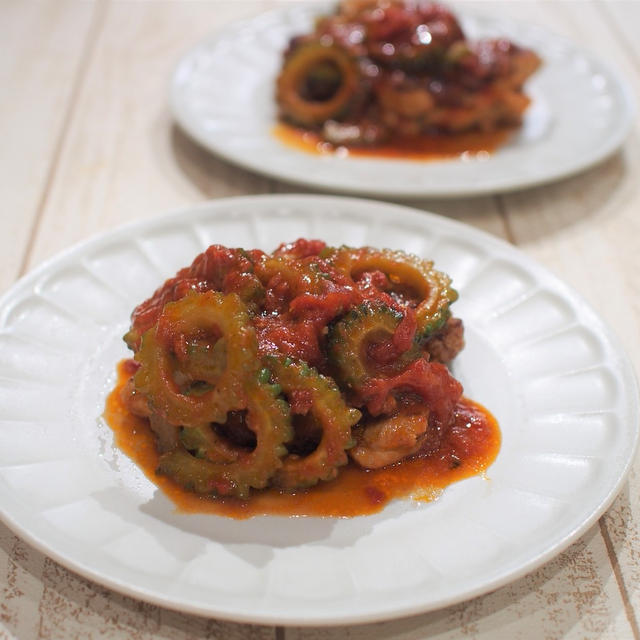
(475, 144)
(467, 450)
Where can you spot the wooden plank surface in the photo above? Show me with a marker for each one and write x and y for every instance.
(38, 92)
(592, 215)
(122, 158)
(89, 144)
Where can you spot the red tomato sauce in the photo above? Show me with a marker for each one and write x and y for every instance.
(468, 449)
(421, 147)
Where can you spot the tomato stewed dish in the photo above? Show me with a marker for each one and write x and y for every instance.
(312, 380)
(393, 74)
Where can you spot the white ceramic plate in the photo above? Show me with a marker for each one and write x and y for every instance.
(222, 95)
(537, 356)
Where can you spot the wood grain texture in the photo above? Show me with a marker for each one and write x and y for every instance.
(35, 104)
(89, 144)
(39, 599)
(572, 597)
(590, 216)
(122, 158)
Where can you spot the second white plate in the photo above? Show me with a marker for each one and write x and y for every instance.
(536, 356)
(222, 94)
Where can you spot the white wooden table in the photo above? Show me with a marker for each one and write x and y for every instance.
(88, 143)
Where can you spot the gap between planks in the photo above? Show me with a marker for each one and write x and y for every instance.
(613, 559)
(604, 531)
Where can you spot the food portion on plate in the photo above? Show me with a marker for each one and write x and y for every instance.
(297, 370)
(381, 71)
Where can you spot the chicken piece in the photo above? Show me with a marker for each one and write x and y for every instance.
(447, 343)
(167, 435)
(135, 401)
(501, 61)
(403, 97)
(390, 439)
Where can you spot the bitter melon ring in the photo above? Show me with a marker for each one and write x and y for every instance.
(297, 102)
(307, 275)
(327, 406)
(286, 279)
(217, 268)
(351, 337)
(409, 276)
(196, 359)
(218, 468)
